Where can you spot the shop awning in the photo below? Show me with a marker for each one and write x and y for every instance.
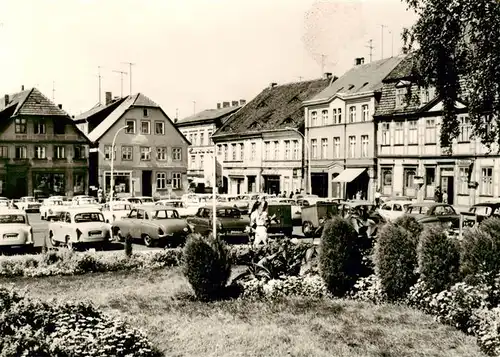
(348, 175)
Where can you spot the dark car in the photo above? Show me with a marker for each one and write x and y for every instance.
(480, 211)
(230, 221)
(431, 213)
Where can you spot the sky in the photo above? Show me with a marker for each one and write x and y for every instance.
(188, 55)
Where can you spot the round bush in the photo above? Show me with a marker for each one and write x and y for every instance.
(438, 259)
(207, 266)
(396, 261)
(409, 223)
(340, 259)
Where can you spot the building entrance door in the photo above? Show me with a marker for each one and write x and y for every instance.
(272, 184)
(319, 184)
(447, 185)
(147, 189)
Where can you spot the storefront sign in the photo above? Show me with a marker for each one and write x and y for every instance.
(418, 180)
(464, 162)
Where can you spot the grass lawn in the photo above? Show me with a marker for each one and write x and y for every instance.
(296, 327)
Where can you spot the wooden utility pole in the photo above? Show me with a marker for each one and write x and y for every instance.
(53, 90)
(121, 80)
(130, 64)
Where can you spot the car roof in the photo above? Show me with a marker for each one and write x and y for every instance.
(12, 210)
(398, 202)
(82, 209)
(153, 207)
(428, 204)
(220, 207)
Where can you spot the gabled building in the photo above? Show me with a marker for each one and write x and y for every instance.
(150, 154)
(198, 129)
(341, 132)
(42, 152)
(410, 158)
(261, 146)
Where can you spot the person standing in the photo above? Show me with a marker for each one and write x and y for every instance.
(377, 197)
(260, 220)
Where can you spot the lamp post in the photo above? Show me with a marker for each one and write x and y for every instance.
(112, 180)
(308, 158)
(214, 194)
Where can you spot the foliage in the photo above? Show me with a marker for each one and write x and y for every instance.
(487, 330)
(396, 261)
(307, 286)
(128, 246)
(30, 327)
(438, 259)
(466, 49)
(409, 223)
(206, 265)
(368, 289)
(340, 257)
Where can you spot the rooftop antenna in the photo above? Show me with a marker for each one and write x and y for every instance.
(130, 64)
(370, 46)
(121, 81)
(392, 43)
(194, 107)
(99, 75)
(53, 90)
(382, 27)
(323, 64)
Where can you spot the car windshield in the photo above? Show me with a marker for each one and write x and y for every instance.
(481, 210)
(121, 207)
(4, 203)
(29, 199)
(147, 200)
(56, 203)
(86, 201)
(173, 203)
(134, 200)
(89, 217)
(228, 213)
(12, 218)
(165, 214)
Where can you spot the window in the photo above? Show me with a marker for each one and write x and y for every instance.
(412, 132)
(386, 138)
(145, 127)
(430, 131)
(296, 149)
(287, 149)
(160, 128)
(127, 153)
(176, 180)
(195, 139)
(233, 152)
(365, 112)
(40, 152)
(20, 124)
(324, 116)
(4, 152)
(314, 118)
(242, 152)
(487, 181)
(202, 139)
(386, 176)
(426, 94)
(21, 152)
(409, 177)
(336, 147)
(314, 148)
(364, 145)
(352, 146)
(463, 180)
(334, 116)
(352, 114)
(276, 150)
(161, 180)
(130, 126)
(80, 153)
(193, 161)
(398, 133)
(225, 152)
(145, 153)
(161, 153)
(219, 150)
(145, 113)
(39, 127)
(107, 152)
(59, 128)
(209, 137)
(59, 152)
(324, 148)
(401, 97)
(202, 162)
(253, 154)
(339, 112)
(465, 129)
(177, 154)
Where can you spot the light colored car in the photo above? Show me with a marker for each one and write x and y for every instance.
(51, 207)
(145, 200)
(115, 210)
(76, 227)
(131, 200)
(15, 230)
(87, 202)
(28, 204)
(180, 207)
(392, 210)
(154, 225)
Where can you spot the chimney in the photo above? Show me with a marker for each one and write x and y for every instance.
(175, 120)
(22, 87)
(60, 106)
(218, 105)
(109, 97)
(272, 85)
(234, 103)
(243, 102)
(327, 75)
(359, 61)
(225, 104)
(7, 100)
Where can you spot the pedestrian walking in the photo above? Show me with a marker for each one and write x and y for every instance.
(377, 197)
(259, 221)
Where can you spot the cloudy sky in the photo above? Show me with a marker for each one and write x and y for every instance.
(206, 51)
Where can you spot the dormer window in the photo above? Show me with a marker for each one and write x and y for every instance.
(426, 95)
(401, 94)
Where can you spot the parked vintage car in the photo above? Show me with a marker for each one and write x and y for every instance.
(131, 200)
(115, 210)
(432, 213)
(51, 207)
(315, 216)
(88, 202)
(295, 208)
(282, 223)
(79, 226)
(392, 210)
(479, 212)
(28, 204)
(15, 229)
(230, 221)
(179, 205)
(154, 225)
(145, 200)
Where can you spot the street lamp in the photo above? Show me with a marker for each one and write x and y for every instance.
(308, 158)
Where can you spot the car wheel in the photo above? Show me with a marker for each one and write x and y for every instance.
(52, 240)
(69, 243)
(307, 229)
(117, 235)
(148, 242)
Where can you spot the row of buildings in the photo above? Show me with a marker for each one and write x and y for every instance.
(373, 128)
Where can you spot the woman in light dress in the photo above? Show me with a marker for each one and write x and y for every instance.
(259, 221)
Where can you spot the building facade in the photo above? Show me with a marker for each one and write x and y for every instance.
(341, 132)
(198, 129)
(411, 160)
(261, 146)
(150, 152)
(43, 153)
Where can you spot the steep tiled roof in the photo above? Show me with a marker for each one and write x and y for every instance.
(32, 102)
(405, 69)
(361, 78)
(98, 108)
(208, 115)
(274, 108)
(142, 101)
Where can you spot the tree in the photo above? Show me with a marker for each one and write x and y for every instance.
(458, 52)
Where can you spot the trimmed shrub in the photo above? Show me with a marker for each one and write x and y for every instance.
(438, 259)
(368, 289)
(396, 261)
(480, 250)
(340, 259)
(310, 286)
(409, 223)
(206, 265)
